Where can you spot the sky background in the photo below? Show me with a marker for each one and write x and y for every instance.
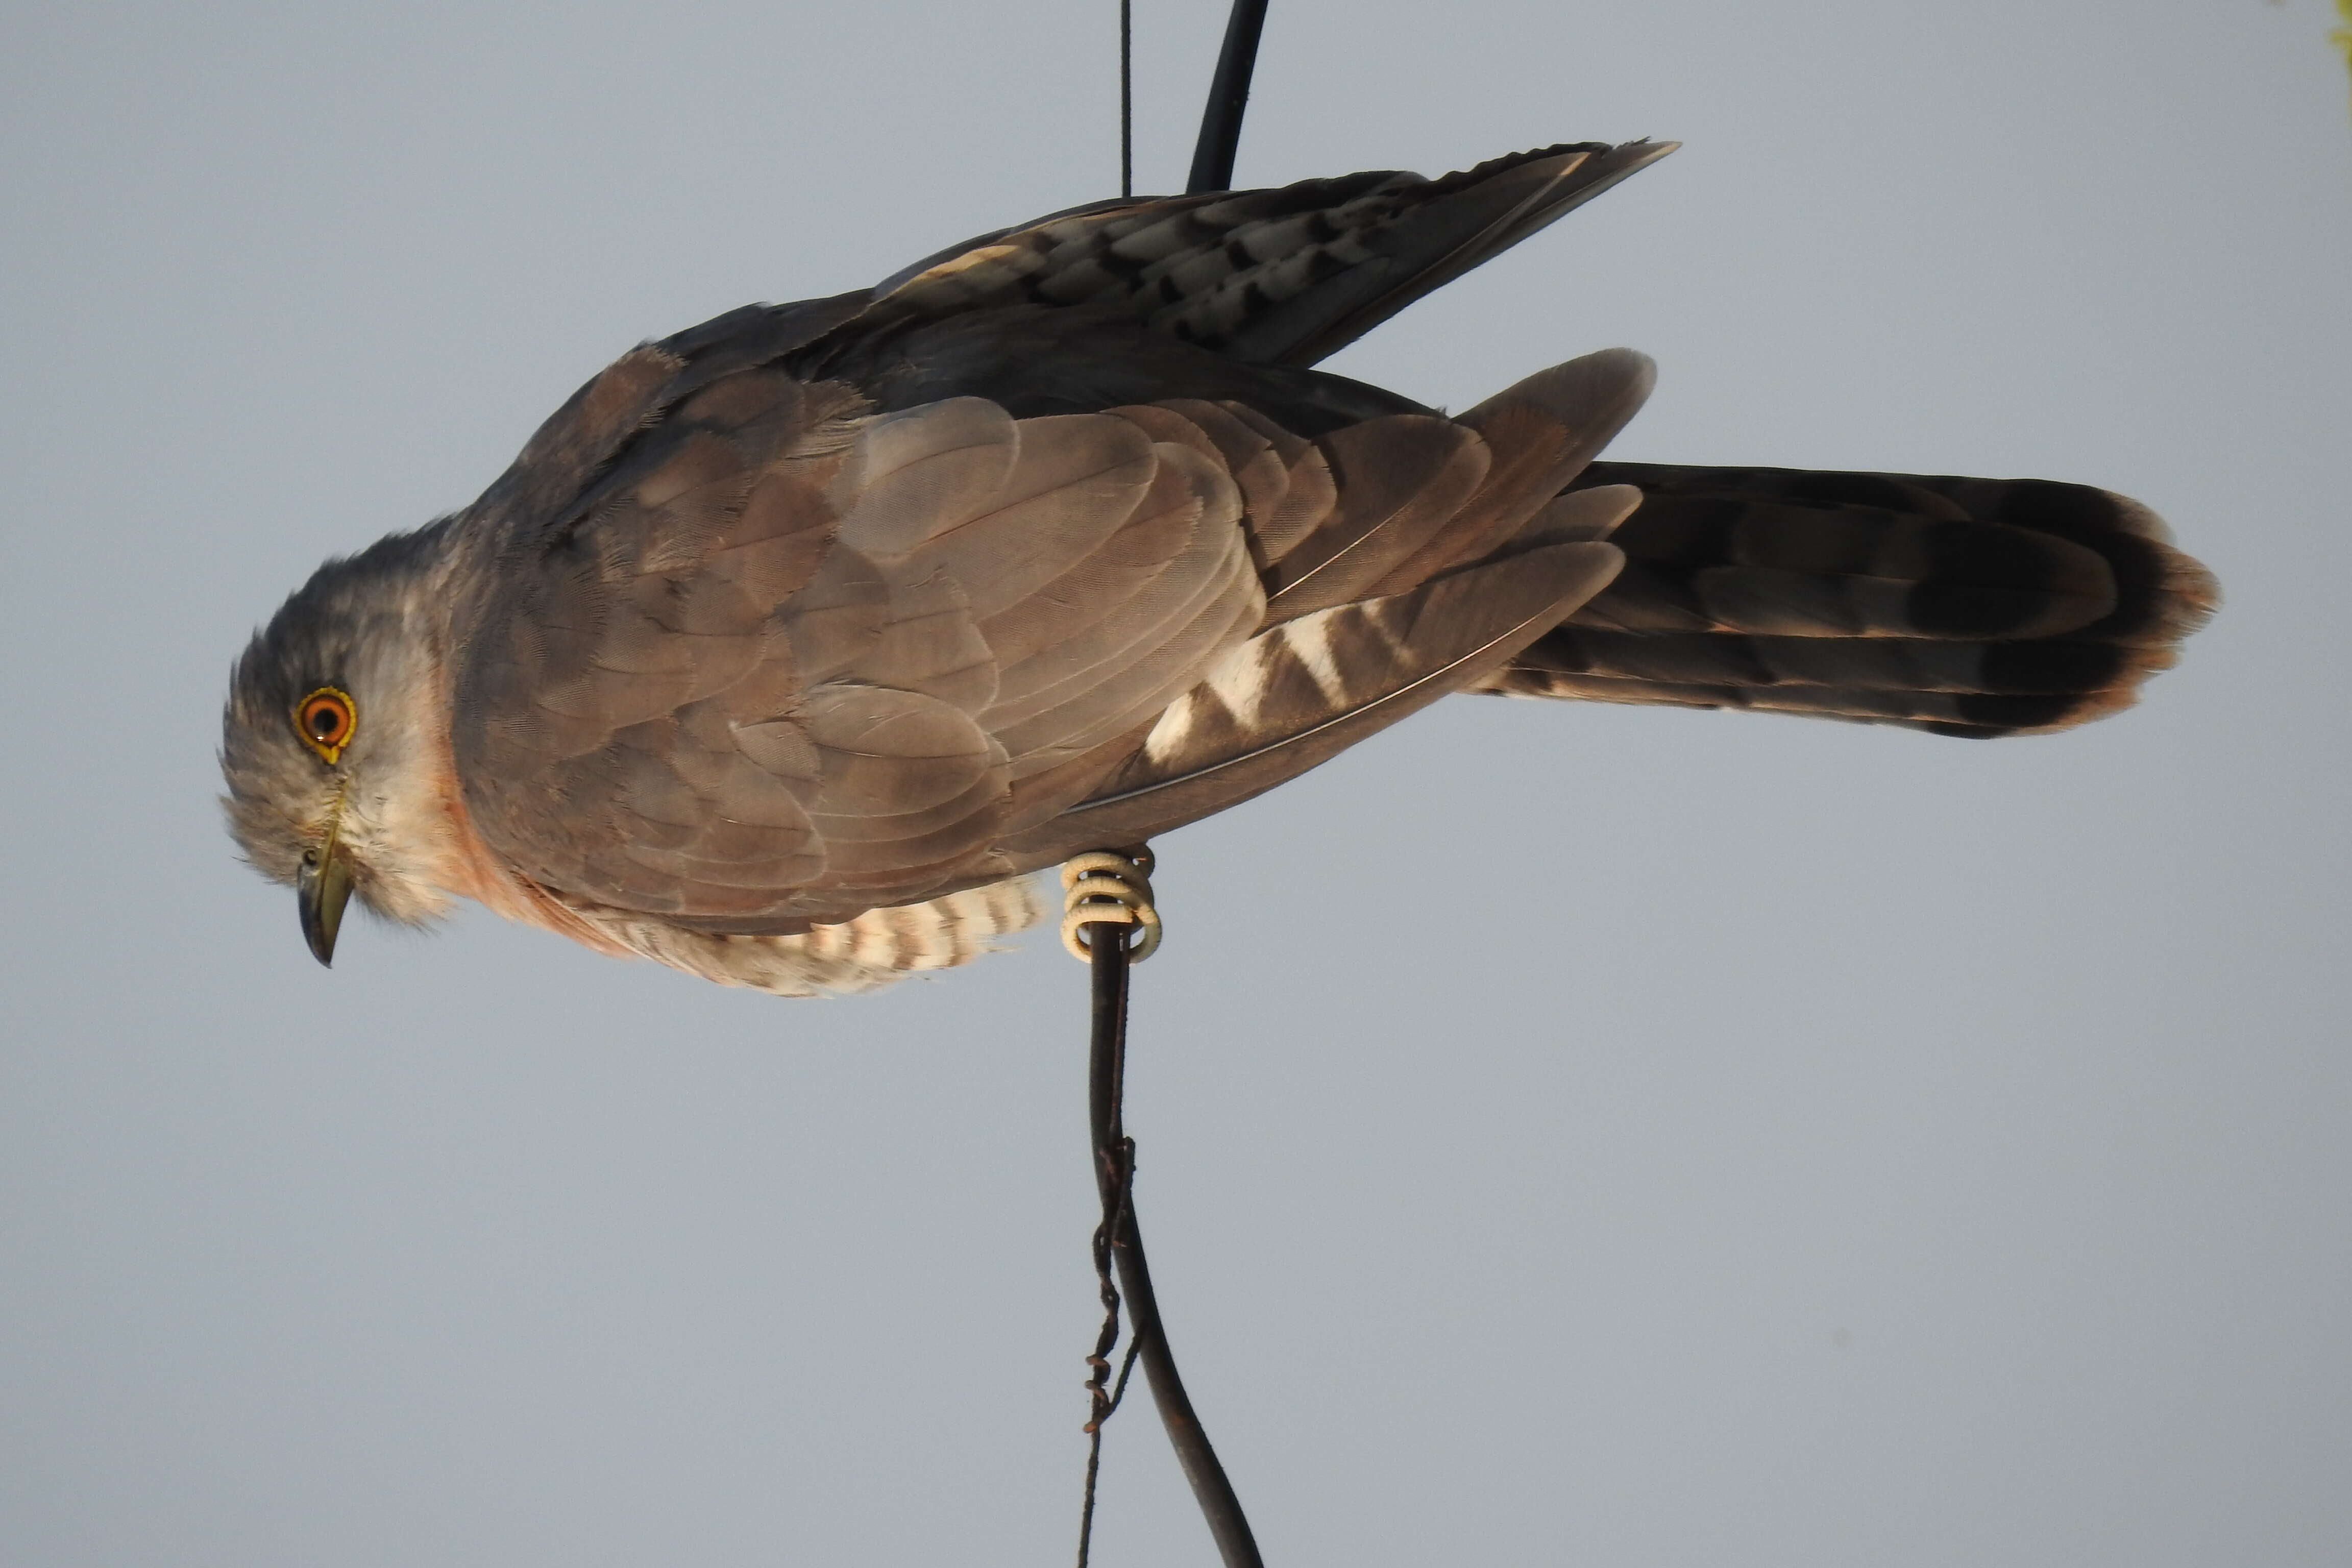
(1570, 1135)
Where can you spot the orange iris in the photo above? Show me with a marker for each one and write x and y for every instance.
(325, 721)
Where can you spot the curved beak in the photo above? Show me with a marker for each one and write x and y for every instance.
(322, 887)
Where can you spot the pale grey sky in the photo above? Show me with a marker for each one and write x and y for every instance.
(1686, 1139)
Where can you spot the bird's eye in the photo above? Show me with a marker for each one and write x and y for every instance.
(325, 721)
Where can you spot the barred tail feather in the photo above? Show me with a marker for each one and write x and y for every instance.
(1962, 606)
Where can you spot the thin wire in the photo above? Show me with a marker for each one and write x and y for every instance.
(1093, 1449)
(1113, 1163)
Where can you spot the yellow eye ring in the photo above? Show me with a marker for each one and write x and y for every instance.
(325, 721)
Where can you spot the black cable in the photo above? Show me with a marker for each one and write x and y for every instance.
(1114, 1179)
(1127, 97)
(1221, 123)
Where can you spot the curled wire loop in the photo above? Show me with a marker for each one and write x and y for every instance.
(1108, 887)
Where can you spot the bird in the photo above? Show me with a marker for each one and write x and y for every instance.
(792, 644)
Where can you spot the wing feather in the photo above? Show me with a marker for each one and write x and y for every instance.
(1271, 277)
(1297, 694)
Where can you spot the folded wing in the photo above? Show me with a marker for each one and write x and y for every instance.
(784, 661)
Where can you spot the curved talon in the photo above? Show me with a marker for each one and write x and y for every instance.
(1103, 886)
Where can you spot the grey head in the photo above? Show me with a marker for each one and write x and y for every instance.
(335, 739)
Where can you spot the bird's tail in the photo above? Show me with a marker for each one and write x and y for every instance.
(1962, 606)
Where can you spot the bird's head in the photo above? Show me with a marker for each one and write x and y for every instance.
(335, 744)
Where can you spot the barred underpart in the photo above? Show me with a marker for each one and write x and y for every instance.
(877, 949)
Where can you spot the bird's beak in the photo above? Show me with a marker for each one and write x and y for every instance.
(322, 887)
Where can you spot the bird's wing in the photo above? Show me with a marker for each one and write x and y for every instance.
(783, 661)
(580, 441)
(1963, 606)
(1301, 692)
(1226, 296)
(1284, 276)
(1438, 557)
(610, 638)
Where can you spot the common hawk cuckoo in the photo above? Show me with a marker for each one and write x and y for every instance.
(791, 643)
